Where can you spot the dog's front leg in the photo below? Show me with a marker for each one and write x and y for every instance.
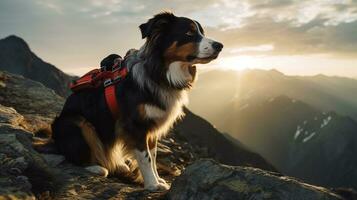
(143, 157)
(153, 152)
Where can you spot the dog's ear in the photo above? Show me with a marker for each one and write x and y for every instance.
(156, 24)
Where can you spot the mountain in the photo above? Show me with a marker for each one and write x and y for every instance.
(282, 118)
(16, 57)
(201, 133)
(301, 141)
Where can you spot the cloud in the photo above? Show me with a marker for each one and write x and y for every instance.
(253, 49)
(134, 11)
(310, 38)
(294, 28)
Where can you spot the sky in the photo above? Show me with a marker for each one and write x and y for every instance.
(297, 37)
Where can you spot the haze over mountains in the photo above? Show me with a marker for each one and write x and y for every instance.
(237, 88)
(303, 125)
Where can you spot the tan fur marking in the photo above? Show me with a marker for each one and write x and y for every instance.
(175, 53)
(96, 147)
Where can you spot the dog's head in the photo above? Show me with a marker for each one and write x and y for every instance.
(177, 43)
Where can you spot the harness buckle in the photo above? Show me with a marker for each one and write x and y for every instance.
(108, 82)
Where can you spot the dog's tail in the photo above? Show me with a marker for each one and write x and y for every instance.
(43, 141)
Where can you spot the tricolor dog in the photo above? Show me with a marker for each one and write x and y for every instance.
(150, 99)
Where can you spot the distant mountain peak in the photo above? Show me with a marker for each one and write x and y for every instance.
(16, 57)
(15, 40)
(14, 37)
(256, 70)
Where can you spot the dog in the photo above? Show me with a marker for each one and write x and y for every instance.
(150, 98)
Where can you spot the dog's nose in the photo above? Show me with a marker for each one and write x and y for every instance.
(217, 46)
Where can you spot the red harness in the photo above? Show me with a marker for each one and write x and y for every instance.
(97, 77)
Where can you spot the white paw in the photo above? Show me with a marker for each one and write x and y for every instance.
(158, 187)
(99, 170)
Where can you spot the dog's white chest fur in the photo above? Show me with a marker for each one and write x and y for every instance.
(178, 74)
(166, 118)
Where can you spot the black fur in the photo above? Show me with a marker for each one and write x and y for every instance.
(70, 142)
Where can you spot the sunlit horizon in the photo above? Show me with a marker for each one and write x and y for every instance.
(300, 65)
(289, 65)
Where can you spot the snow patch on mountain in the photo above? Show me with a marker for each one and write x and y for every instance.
(309, 137)
(299, 130)
(326, 121)
(308, 132)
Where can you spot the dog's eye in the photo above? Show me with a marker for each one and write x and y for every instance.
(190, 33)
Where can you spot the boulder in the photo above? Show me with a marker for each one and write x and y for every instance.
(207, 179)
(38, 104)
(28, 97)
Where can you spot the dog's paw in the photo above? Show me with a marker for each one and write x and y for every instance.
(99, 170)
(158, 187)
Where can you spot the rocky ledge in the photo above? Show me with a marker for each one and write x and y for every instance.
(207, 179)
(26, 106)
